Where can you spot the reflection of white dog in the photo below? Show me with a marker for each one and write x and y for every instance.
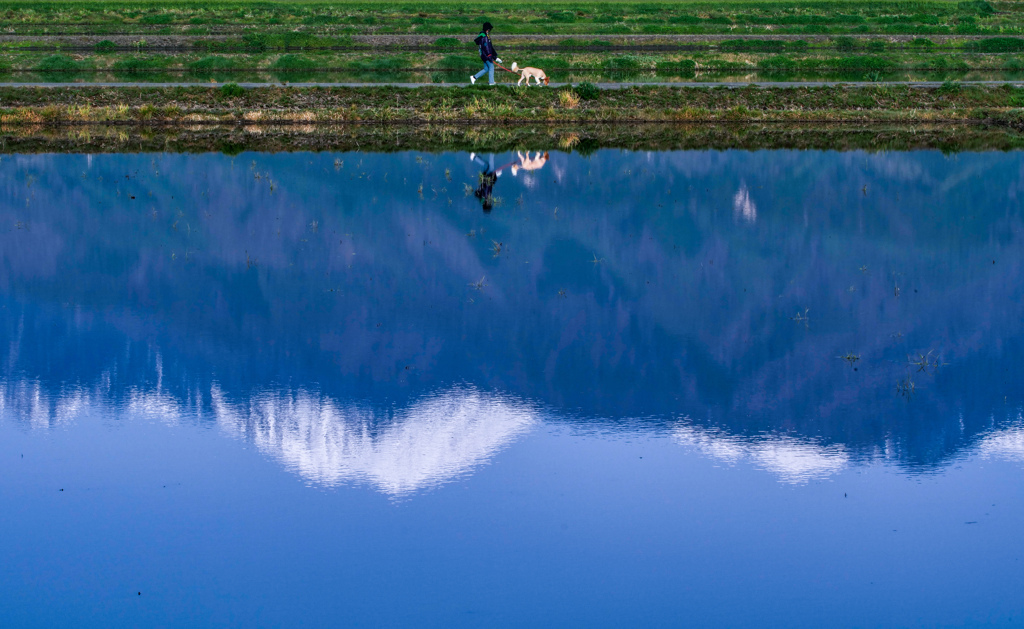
(527, 73)
(528, 163)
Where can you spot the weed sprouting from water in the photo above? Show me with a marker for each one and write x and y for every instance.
(338, 164)
(597, 260)
(479, 284)
(850, 357)
(802, 317)
(496, 248)
(924, 362)
(906, 387)
(314, 226)
(250, 262)
(896, 284)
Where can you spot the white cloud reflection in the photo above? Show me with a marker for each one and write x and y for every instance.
(434, 440)
(791, 459)
(742, 205)
(1004, 444)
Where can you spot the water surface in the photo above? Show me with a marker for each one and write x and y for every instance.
(717, 388)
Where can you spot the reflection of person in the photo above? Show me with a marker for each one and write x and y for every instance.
(489, 177)
(528, 163)
(487, 54)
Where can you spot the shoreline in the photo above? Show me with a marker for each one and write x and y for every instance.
(447, 137)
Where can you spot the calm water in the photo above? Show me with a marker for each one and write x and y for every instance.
(701, 388)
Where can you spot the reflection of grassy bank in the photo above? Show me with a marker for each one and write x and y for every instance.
(582, 138)
(205, 105)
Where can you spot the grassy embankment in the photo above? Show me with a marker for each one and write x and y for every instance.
(225, 40)
(230, 41)
(843, 60)
(231, 104)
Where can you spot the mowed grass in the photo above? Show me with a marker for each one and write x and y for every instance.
(611, 63)
(555, 17)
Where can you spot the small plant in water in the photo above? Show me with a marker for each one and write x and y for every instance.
(906, 387)
(850, 357)
(924, 362)
(801, 317)
(496, 248)
(479, 284)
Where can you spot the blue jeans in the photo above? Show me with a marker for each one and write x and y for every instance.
(488, 70)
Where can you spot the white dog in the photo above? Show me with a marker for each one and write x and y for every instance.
(528, 163)
(527, 73)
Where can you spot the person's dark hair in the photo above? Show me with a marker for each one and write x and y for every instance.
(487, 26)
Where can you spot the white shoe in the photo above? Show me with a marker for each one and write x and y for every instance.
(472, 80)
(472, 156)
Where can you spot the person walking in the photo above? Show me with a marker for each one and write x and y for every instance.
(487, 54)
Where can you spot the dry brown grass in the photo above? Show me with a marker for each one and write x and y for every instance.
(569, 99)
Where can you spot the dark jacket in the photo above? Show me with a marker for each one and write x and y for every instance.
(485, 191)
(487, 52)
